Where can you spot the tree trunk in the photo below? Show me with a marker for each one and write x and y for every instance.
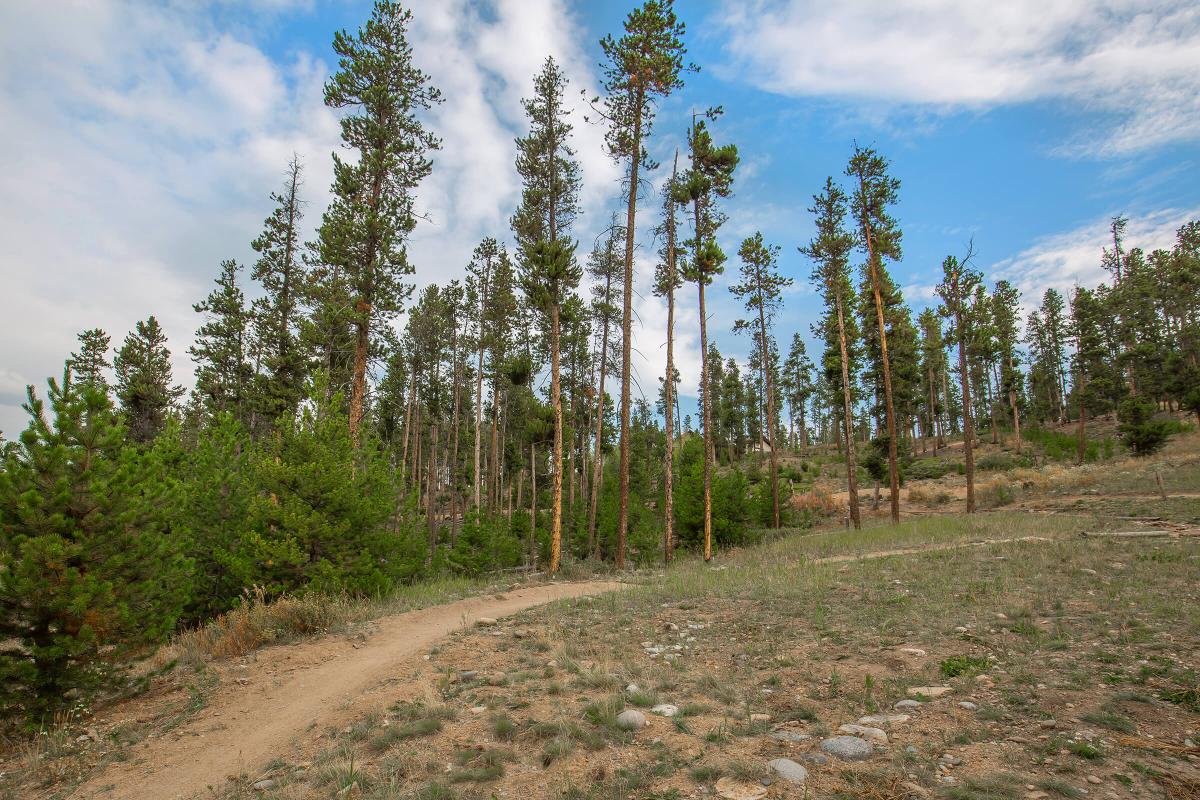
(1081, 445)
(669, 388)
(968, 422)
(707, 415)
(848, 416)
(627, 327)
(556, 399)
(893, 471)
(770, 424)
(533, 511)
(358, 388)
(597, 460)
(431, 496)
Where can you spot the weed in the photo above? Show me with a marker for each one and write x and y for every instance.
(956, 666)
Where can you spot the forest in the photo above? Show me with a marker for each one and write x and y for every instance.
(347, 434)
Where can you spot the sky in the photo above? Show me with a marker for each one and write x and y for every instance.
(140, 141)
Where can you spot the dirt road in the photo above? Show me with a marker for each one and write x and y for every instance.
(298, 689)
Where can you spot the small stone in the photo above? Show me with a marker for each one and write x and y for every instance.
(670, 626)
(1000, 615)
(788, 770)
(907, 705)
(968, 705)
(1094, 780)
(263, 785)
(484, 622)
(815, 758)
(633, 687)
(929, 691)
(474, 710)
(848, 748)
(665, 710)
(985, 681)
(733, 789)
(1087, 571)
(631, 720)
(1048, 724)
(522, 634)
(883, 719)
(950, 760)
(915, 790)
(871, 734)
(760, 717)
(960, 629)
(911, 651)
(789, 736)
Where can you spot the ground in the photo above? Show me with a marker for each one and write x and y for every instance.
(1071, 656)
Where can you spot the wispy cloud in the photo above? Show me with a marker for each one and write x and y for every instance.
(1133, 62)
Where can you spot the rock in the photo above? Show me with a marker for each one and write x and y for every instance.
(915, 790)
(670, 626)
(848, 748)
(815, 758)
(465, 675)
(871, 734)
(631, 720)
(789, 736)
(522, 634)
(985, 681)
(1048, 724)
(633, 687)
(1094, 780)
(484, 622)
(665, 710)
(883, 719)
(950, 760)
(262, 786)
(760, 717)
(928, 691)
(968, 705)
(1087, 571)
(911, 651)
(788, 770)
(907, 705)
(733, 789)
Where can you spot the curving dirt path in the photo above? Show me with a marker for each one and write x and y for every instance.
(311, 686)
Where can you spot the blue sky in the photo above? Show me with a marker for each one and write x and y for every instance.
(139, 142)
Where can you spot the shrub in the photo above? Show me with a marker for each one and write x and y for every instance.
(1138, 429)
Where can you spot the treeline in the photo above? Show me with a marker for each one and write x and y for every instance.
(325, 447)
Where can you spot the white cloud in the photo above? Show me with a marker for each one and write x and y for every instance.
(1132, 60)
(1073, 258)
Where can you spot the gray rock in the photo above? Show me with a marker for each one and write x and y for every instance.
(815, 758)
(876, 735)
(968, 705)
(789, 736)
(483, 622)
(907, 705)
(262, 786)
(665, 710)
(788, 770)
(465, 675)
(848, 748)
(883, 719)
(631, 720)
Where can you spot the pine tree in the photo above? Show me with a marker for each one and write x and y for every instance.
(830, 252)
(958, 285)
(281, 273)
(798, 385)
(549, 203)
(88, 365)
(1098, 383)
(604, 267)
(479, 277)
(933, 364)
(642, 66)
(364, 230)
(144, 382)
(879, 235)
(223, 371)
(761, 289)
(710, 177)
(90, 572)
(1006, 303)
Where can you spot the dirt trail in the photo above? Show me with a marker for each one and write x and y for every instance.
(315, 685)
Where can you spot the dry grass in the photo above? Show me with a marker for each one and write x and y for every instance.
(818, 501)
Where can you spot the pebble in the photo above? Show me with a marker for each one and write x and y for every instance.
(872, 734)
(912, 651)
(848, 748)
(1094, 780)
(483, 622)
(929, 691)
(950, 760)
(733, 789)
(985, 681)
(907, 705)
(815, 758)
(788, 770)
(262, 786)
(789, 736)
(968, 705)
(665, 710)
(631, 720)
(760, 717)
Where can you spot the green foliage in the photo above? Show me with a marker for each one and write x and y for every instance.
(1139, 431)
(954, 666)
(89, 566)
(730, 496)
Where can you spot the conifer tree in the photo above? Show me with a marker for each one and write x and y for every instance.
(933, 364)
(604, 267)
(88, 365)
(549, 203)
(88, 570)
(958, 285)
(709, 178)
(144, 382)
(280, 271)
(798, 384)
(879, 235)
(642, 66)
(479, 277)
(830, 252)
(761, 289)
(1006, 300)
(364, 230)
(223, 371)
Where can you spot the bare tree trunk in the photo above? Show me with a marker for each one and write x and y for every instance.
(770, 423)
(556, 399)
(431, 496)
(893, 470)
(848, 416)
(597, 460)
(358, 387)
(968, 422)
(1081, 445)
(627, 328)
(533, 512)
(707, 414)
